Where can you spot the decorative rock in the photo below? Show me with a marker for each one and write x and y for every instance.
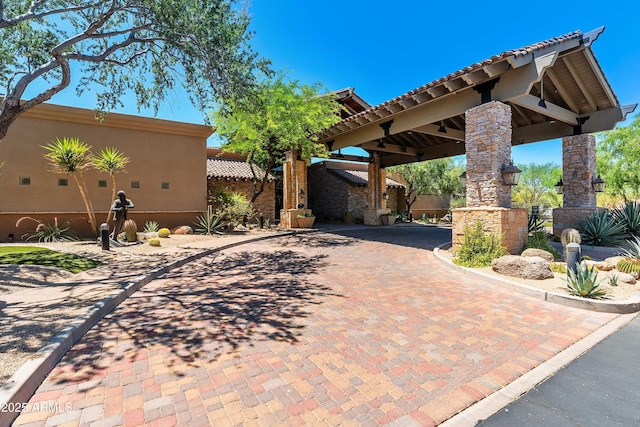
(183, 229)
(604, 266)
(534, 267)
(547, 256)
(613, 260)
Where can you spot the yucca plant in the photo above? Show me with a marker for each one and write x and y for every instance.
(110, 160)
(583, 282)
(629, 216)
(49, 232)
(209, 223)
(600, 229)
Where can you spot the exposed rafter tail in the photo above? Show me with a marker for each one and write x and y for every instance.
(591, 36)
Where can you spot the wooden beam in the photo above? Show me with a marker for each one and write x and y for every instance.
(552, 110)
(494, 70)
(604, 119)
(591, 60)
(453, 85)
(562, 91)
(388, 148)
(521, 80)
(431, 129)
(583, 87)
(522, 113)
(540, 132)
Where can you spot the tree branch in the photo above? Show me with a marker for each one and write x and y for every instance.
(31, 15)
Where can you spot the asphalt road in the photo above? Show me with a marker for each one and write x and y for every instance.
(601, 388)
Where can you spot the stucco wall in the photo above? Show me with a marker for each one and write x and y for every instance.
(160, 152)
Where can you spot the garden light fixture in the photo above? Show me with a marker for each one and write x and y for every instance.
(510, 174)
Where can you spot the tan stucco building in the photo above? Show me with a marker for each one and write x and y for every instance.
(166, 177)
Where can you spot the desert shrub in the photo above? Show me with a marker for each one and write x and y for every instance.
(600, 229)
(538, 240)
(164, 232)
(629, 216)
(583, 282)
(558, 267)
(154, 241)
(48, 232)
(130, 229)
(151, 226)
(208, 223)
(233, 207)
(479, 248)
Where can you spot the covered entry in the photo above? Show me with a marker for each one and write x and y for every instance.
(551, 89)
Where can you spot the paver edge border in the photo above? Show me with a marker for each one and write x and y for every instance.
(501, 398)
(617, 307)
(25, 381)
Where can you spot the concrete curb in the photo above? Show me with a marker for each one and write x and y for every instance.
(25, 381)
(618, 307)
(498, 400)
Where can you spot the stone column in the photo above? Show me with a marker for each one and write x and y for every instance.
(488, 149)
(376, 187)
(294, 179)
(578, 172)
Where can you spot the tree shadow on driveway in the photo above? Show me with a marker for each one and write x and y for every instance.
(210, 307)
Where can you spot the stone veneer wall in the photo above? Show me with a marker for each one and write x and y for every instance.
(578, 170)
(265, 203)
(510, 223)
(488, 148)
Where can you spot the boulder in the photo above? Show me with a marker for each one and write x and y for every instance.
(533, 267)
(183, 229)
(613, 260)
(547, 256)
(625, 278)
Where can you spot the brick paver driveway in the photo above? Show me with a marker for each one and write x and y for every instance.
(362, 327)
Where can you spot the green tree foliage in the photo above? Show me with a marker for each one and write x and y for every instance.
(145, 47)
(282, 115)
(70, 156)
(110, 160)
(434, 177)
(537, 186)
(618, 160)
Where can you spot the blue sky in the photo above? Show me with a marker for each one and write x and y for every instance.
(384, 49)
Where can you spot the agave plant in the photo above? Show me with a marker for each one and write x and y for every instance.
(583, 282)
(634, 248)
(629, 216)
(209, 223)
(151, 226)
(600, 229)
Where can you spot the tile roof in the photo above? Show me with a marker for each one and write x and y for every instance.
(232, 169)
(494, 59)
(361, 178)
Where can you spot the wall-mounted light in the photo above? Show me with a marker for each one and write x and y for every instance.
(541, 103)
(463, 178)
(510, 174)
(559, 187)
(301, 194)
(598, 184)
(385, 195)
(442, 129)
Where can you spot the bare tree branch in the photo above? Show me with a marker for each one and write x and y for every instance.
(30, 15)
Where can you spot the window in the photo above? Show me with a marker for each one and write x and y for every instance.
(102, 183)
(135, 184)
(63, 182)
(165, 185)
(25, 180)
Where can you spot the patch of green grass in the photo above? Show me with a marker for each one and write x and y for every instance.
(32, 255)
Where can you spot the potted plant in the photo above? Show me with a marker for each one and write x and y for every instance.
(388, 218)
(305, 220)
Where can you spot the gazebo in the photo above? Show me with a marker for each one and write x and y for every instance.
(548, 90)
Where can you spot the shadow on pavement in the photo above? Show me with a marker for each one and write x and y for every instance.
(207, 308)
(413, 235)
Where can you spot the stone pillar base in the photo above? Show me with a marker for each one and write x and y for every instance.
(372, 216)
(511, 224)
(564, 218)
(288, 217)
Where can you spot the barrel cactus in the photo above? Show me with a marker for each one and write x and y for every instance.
(631, 261)
(164, 232)
(130, 230)
(154, 241)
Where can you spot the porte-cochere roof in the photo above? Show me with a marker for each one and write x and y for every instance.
(555, 88)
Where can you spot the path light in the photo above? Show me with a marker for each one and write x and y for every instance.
(560, 187)
(598, 184)
(463, 178)
(510, 174)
